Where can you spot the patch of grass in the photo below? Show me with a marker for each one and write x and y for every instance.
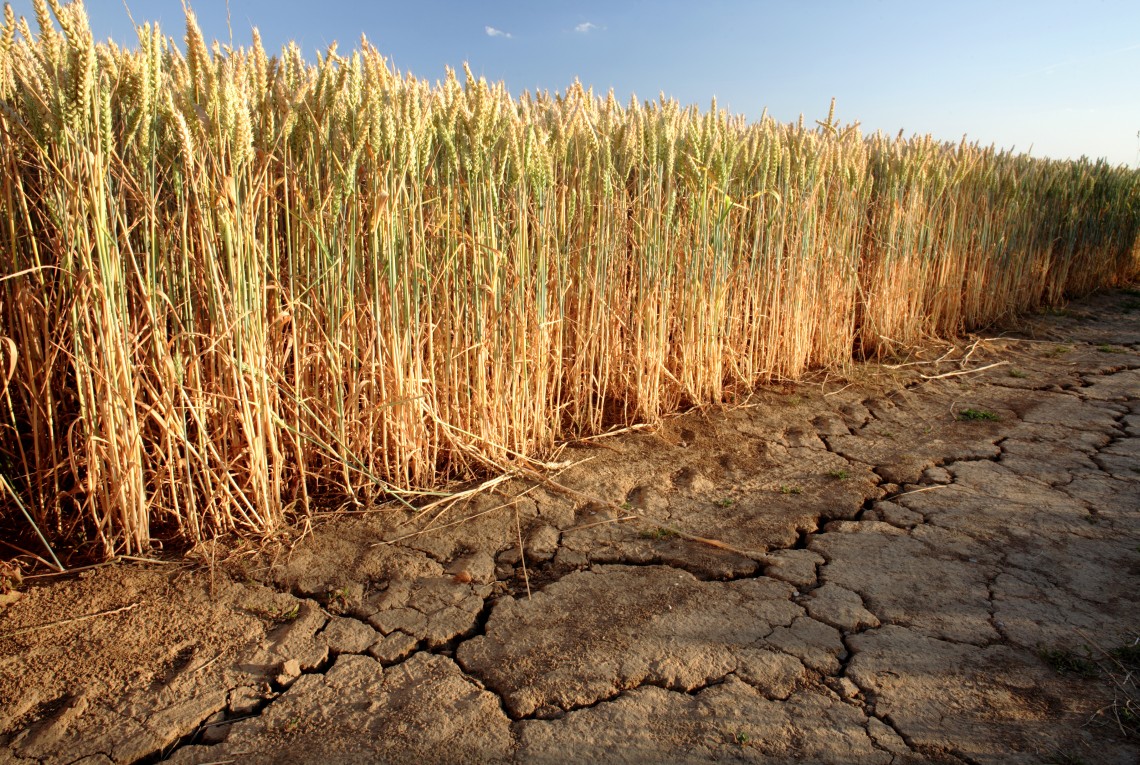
(1128, 654)
(1120, 667)
(742, 738)
(1106, 348)
(726, 502)
(276, 615)
(659, 533)
(978, 415)
(1068, 758)
(1067, 662)
(786, 489)
(1018, 374)
(1055, 351)
(842, 474)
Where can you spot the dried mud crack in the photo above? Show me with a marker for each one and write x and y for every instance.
(903, 570)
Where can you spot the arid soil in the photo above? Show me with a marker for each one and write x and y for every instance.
(903, 566)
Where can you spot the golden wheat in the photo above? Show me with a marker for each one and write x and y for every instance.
(236, 286)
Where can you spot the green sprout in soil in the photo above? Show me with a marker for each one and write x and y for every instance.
(1106, 348)
(742, 738)
(1067, 662)
(842, 474)
(726, 502)
(785, 489)
(1018, 374)
(338, 601)
(977, 415)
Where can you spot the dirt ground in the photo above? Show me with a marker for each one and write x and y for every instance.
(905, 566)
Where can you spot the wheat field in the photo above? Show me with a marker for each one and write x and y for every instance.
(239, 287)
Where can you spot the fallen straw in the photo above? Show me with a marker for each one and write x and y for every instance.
(964, 371)
(61, 622)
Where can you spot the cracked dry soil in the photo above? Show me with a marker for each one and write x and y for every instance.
(828, 573)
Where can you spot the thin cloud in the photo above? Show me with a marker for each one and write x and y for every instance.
(1053, 68)
(492, 32)
(586, 27)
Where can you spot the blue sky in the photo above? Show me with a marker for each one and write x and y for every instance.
(1062, 77)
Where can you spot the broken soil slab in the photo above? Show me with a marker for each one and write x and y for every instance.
(422, 711)
(901, 582)
(913, 432)
(996, 506)
(596, 633)
(985, 705)
(728, 722)
(133, 682)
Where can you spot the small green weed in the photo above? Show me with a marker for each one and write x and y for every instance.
(659, 533)
(1067, 662)
(726, 502)
(1055, 351)
(742, 738)
(785, 489)
(842, 474)
(338, 601)
(1106, 348)
(978, 415)
(1018, 374)
(277, 615)
(1128, 655)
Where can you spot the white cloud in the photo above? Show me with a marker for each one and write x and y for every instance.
(586, 27)
(492, 32)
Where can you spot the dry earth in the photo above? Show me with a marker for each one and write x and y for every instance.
(836, 573)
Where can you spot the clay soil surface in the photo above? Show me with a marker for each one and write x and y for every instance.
(904, 566)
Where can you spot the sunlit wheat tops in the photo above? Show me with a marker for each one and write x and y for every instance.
(235, 285)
